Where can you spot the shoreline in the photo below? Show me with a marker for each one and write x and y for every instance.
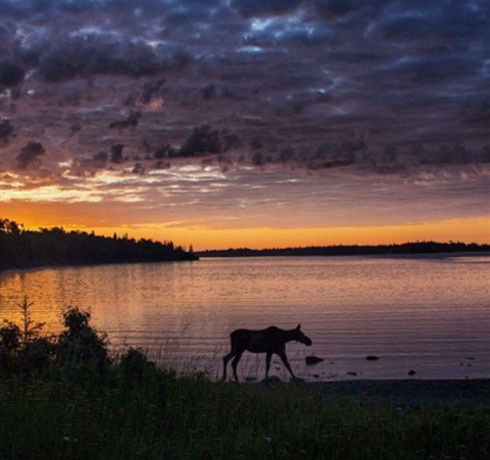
(451, 392)
(422, 255)
(83, 265)
(407, 255)
(200, 256)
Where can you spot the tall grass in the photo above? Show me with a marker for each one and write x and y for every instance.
(168, 417)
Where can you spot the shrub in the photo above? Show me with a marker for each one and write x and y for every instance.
(37, 355)
(10, 341)
(80, 348)
(135, 367)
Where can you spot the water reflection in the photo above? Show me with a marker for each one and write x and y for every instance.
(415, 313)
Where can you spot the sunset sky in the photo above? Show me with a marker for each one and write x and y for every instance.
(259, 123)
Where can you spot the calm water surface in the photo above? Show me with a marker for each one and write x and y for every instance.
(429, 314)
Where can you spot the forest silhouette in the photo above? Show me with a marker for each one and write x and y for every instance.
(20, 248)
(418, 247)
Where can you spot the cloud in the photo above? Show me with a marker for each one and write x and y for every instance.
(90, 54)
(6, 131)
(10, 74)
(284, 33)
(130, 121)
(29, 155)
(205, 140)
(249, 8)
(117, 153)
(451, 19)
(429, 70)
(336, 8)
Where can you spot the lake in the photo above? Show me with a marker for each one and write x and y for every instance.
(430, 314)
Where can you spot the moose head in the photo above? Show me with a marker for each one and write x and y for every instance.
(300, 337)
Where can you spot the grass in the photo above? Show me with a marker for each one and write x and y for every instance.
(171, 417)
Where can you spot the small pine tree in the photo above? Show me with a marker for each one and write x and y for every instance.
(30, 330)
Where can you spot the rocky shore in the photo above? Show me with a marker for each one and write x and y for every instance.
(410, 391)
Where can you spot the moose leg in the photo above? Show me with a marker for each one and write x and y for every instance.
(285, 361)
(234, 363)
(267, 365)
(225, 363)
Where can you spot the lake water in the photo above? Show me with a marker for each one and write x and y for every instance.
(429, 314)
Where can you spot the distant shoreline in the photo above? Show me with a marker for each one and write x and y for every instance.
(394, 250)
(426, 255)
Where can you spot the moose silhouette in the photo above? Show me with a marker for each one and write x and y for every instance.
(271, 340)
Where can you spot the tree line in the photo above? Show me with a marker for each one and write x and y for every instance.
(21, 248)
(419, 247)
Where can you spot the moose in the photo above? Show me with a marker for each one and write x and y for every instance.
(271, 340)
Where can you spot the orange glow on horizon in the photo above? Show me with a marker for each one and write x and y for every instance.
(468, 230)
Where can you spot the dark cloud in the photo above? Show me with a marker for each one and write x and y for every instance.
(446, 154)
(150, 89)
(98, 54)
(203, 140)
(334, 8)
(259, 159)
(449, 19)
(10, 74)
(229, 140)
(484, 156)
(256, 143)
(166, 151)
(332, 155)
(100, 157)
(429, 71)
(248, 8)
(117, 153)
(208, 91)
(295, 81)
(478, 113)
(130, 121)
(29, 155)
(6, 131)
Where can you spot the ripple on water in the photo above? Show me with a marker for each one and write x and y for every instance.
(420, 313)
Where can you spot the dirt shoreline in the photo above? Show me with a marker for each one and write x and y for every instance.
(411, 391)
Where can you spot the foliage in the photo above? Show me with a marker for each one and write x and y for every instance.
(78, 348)
(10, 340)
(135, 367)
(10, 337)
(37, 355)
(20, 248)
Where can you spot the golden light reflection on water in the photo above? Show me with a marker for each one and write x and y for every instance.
(425, 313)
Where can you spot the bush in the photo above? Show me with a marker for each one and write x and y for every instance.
(79, 352)
(37, 355)
(10, 341)
(80, 349)
(135, 367)
(80, 341)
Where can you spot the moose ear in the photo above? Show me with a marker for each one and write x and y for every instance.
(298, 327)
